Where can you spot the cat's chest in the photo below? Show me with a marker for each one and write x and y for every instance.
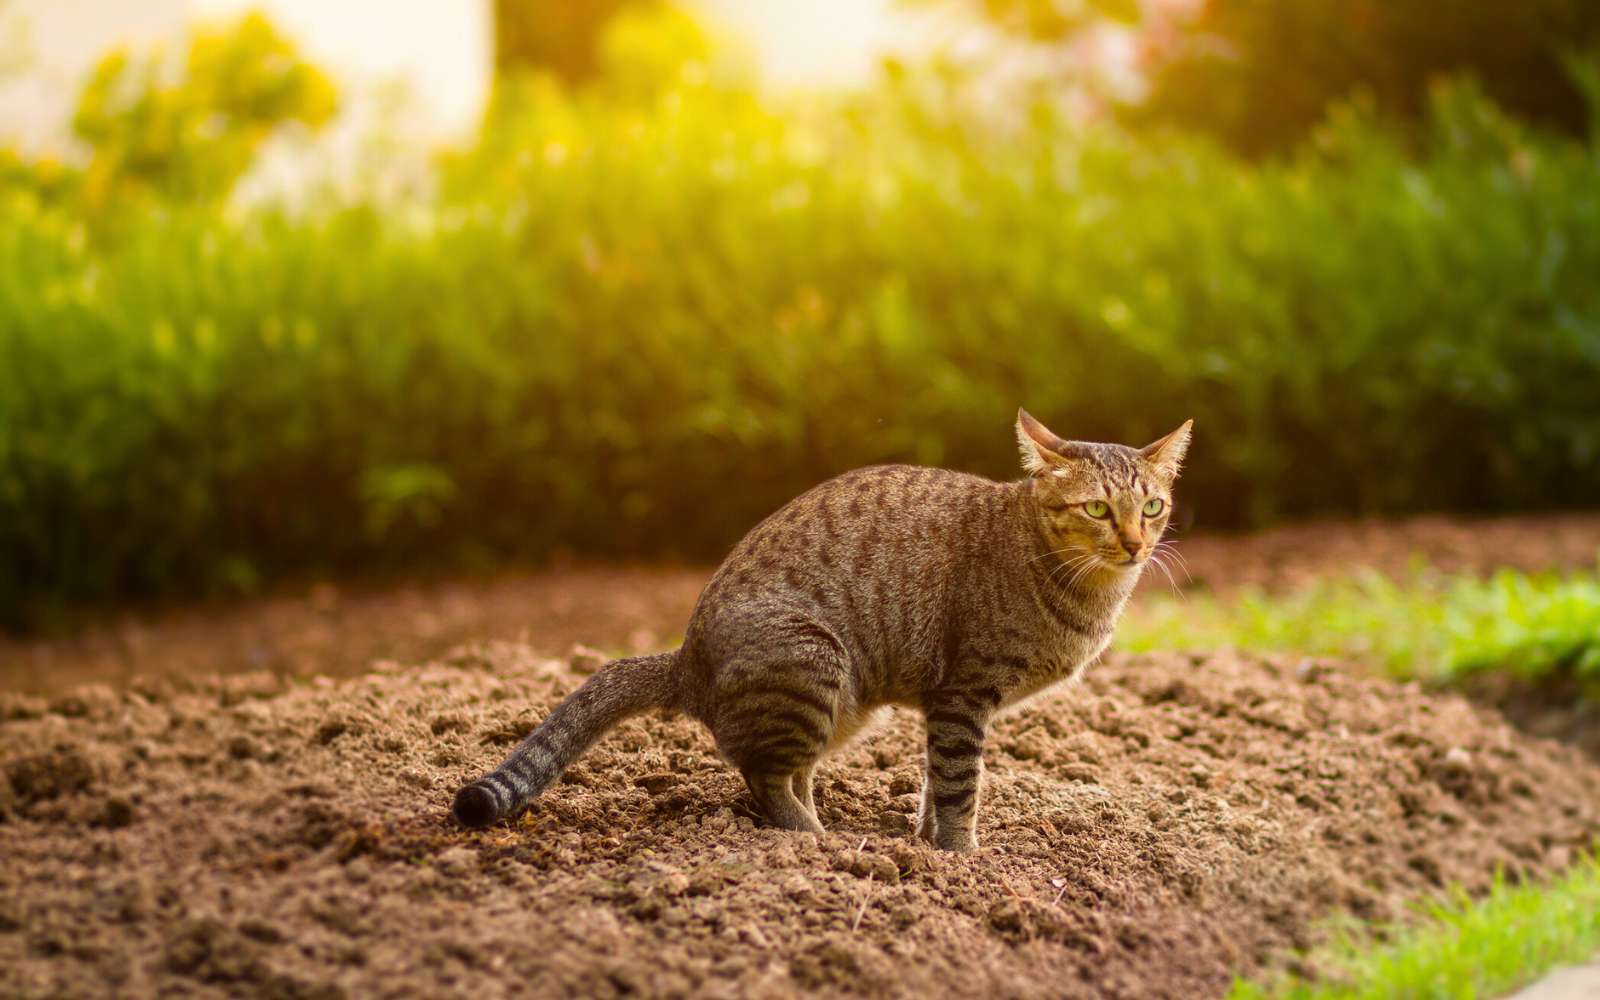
(1071, 634)
(1057, 655)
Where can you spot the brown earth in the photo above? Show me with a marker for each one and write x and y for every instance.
(325, 629)
(1173, 821)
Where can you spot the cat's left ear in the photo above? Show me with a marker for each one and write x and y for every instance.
(1166, 454)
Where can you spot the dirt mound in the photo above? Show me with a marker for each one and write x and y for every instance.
(1167, 824)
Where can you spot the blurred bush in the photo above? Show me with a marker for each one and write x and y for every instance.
(1259, 75)
(190, 133)
(556, 36)
(636, 319)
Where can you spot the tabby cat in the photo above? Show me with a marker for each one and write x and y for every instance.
(892, 585)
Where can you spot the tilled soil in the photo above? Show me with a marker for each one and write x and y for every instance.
(1167, 824)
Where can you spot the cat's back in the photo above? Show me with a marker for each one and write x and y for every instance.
(878, 509)
(878, 530)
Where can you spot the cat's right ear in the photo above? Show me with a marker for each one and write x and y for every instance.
(1042, 448)
(1167, 453)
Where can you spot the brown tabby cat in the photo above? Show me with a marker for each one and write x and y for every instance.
(892, 585)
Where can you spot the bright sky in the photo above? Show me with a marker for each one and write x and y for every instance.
(819, 42)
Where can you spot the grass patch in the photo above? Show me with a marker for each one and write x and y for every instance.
(1431, 628)
(1460, 949)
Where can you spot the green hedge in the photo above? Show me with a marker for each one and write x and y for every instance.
(635, 328)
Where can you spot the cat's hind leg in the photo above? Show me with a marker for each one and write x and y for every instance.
(774, 795)
(777, 761)
(802, 787)
(775, 718)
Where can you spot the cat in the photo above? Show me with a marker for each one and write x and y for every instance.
(890, 585)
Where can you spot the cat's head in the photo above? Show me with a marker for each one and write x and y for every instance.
(1102, 506)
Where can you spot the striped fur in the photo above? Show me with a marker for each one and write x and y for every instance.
(891, 585)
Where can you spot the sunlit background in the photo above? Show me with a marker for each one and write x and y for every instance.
(439, 53)
(296, 288)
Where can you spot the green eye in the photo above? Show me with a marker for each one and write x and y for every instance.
(1096, 508)
(1154, 507)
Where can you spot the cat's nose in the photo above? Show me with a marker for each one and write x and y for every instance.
(1131, 545)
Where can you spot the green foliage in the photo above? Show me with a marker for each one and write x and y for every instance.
(38, 179)
(645, 52)
(190, 135)
(1460, 949)
(1530, 627)
(635, 320)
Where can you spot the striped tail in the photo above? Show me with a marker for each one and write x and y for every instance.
(622, 688)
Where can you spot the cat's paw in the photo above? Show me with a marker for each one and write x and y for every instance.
(961, 842)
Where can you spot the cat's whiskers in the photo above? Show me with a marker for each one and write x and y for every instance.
(1069, 561)
(1171, 545)
(1170, 550)
(1070, 567)
(1091, 563)
(1064, 569)
(1156, 558)
(1052, 552)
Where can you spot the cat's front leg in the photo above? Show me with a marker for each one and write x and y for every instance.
(954, 777)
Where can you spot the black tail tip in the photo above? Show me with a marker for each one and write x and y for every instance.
(475, 806)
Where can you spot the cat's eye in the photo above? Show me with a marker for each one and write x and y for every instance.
(1096, 508)
(1154, 507)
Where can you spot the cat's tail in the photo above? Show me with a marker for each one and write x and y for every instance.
(620, 689)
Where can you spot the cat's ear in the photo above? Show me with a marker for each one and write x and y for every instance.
(1166, 454)
(1042, 449)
